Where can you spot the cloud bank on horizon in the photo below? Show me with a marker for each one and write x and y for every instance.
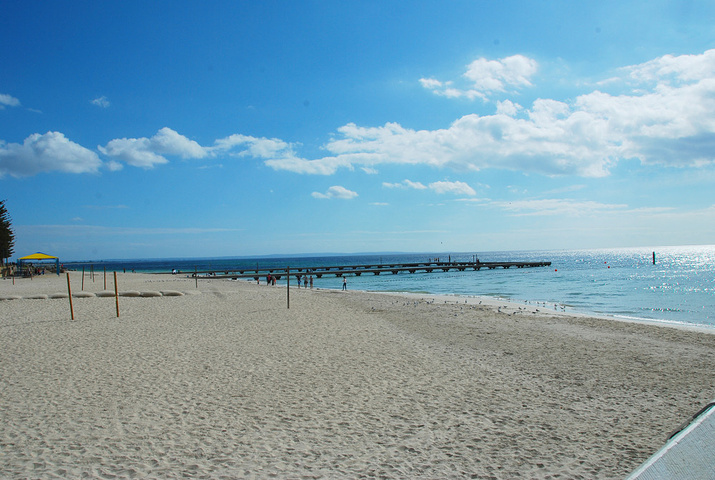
(664, 114)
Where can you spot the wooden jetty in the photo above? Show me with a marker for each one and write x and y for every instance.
(357, 270)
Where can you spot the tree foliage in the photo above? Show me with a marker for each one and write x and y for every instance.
(7, 236)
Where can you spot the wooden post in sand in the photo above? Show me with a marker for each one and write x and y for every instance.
(105, 278)
(82, 278)
(288, 286)
(69, 292)
(196, 276)
(116, 293)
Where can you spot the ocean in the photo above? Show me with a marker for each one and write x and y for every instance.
(624, 283)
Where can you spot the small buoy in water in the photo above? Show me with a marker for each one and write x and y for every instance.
(556, 269)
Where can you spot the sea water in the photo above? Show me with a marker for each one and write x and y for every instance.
(678, 288)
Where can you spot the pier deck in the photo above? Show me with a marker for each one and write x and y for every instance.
(357, 270)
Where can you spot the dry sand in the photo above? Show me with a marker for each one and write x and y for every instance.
(228, 383)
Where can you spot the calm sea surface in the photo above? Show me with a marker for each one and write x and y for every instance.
(679, 288)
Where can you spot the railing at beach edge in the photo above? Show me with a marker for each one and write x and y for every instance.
(357, 270)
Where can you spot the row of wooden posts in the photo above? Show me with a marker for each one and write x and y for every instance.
(69, 290)
(116, 288)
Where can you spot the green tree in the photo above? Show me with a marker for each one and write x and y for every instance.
(7, 236)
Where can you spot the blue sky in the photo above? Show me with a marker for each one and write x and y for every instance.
(231, 128)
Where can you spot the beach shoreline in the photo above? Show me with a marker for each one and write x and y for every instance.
(537, 307)
(533, 306)
(225, 381)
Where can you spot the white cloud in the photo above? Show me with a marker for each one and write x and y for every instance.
(457, 188)
(253, 146)
(336, 192)
(542, 144)
(167, 141)
(101, 102)
(133, 151)
(113, 166)
(681, 68)
(667, 118)
(544, 111)
(44, 153)
(486, 77)
(431, 83)
(670, 122)
(8, 101)
(497, 75)
(322, 166)
(415, 185)
(507, 107)
(405, 184)
(148, 152)
(279, 155)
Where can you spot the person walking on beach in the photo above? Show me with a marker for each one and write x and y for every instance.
(311, 282)
(305, 281)
(345, 283)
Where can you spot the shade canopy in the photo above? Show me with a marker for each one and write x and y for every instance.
(40, 256)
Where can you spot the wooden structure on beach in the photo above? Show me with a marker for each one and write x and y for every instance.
(687, 453)
(357, 270)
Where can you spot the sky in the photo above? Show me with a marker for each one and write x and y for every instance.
(170, 129)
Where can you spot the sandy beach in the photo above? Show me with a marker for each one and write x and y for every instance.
(225, 382)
